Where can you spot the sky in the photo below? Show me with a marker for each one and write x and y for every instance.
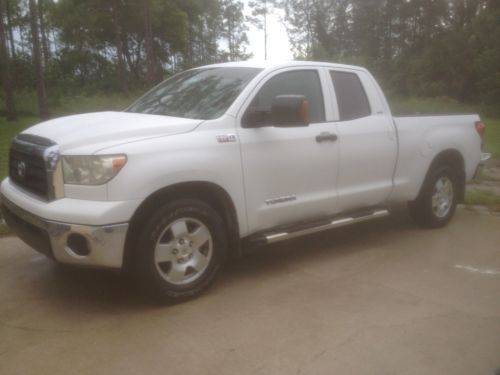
(278, 46)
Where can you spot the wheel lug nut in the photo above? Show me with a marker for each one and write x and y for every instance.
(174, 251)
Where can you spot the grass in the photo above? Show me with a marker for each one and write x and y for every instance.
(483, 198)
(492, 136)
(437, 105)
(442, 105)
(4, 230)
(82, 104)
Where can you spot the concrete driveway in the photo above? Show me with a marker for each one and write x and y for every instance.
(378, 298)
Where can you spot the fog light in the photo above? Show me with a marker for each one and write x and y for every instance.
(78, 244)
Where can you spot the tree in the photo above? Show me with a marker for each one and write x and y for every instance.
(43, 34)
(301, 20)
(234, 29)
(260, 10)
(115, 6)
(10, 107)
(151, 72)
(43, 108)
(8, 13)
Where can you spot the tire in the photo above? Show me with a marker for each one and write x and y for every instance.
(435, 205)
(180, 250)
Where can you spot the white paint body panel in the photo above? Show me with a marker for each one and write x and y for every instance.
(375, 160)
(422, 138)
(71, 211)
(87, 133)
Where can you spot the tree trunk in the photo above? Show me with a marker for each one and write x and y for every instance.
(5, 69)
(43, 109)
(117, 29)
(128, 58)
(151, 78)
(10, 31)
(265, 30)
(43, 34)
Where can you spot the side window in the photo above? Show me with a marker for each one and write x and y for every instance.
(298, 82)
(351, 96)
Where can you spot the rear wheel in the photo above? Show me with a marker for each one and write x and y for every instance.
(180, 250)
(437, 201)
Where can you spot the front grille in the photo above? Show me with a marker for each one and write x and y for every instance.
(28, 167)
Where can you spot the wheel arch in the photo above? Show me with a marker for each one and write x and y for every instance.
(210, 193)
(455, 159)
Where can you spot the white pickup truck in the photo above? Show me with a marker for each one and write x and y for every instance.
(226, 155)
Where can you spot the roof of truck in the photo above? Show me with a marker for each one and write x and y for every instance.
(282, 64)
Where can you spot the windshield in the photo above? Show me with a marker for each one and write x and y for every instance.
(198, 94)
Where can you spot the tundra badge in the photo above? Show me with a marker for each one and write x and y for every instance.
(226, 138)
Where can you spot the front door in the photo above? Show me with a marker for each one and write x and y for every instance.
(289, 172)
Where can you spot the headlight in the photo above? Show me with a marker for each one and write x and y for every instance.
(91, 170)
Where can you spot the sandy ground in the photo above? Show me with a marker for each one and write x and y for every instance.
(377, 298)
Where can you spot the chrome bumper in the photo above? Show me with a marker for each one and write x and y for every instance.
(84, 245)
(484, 158)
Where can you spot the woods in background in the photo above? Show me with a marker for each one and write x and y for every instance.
(75, 46)
(415, 47)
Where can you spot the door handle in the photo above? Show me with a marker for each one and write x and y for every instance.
(326, 136)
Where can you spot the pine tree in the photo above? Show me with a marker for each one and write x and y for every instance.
(43, 108)
(10, 106)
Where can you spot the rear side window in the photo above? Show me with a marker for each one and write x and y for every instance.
(351, 96)
(297, 82)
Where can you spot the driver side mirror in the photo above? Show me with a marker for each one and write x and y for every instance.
(290, 111)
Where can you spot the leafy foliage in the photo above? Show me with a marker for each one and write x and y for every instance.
(95, 45)
(425, 48)
(418, 48)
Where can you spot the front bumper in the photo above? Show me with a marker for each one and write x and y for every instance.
(84, 245)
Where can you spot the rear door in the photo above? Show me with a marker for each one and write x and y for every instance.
(367, 140)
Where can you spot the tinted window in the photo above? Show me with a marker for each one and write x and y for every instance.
(299, 82)
(351, 96)
(198, 93)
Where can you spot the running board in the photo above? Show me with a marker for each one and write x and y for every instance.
(339, 222)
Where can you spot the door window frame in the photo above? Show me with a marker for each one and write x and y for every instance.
(325, 91)
(368, 85)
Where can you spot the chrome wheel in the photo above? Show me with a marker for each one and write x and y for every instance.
(183, 251)
(442, 198)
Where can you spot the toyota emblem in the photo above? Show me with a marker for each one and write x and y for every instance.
(21, 169)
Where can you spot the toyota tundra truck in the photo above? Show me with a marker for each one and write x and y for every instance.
(225, 156)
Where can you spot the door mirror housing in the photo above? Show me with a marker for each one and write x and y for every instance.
(290, 111)
(286, 111)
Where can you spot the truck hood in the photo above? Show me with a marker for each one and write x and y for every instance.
(91, 132)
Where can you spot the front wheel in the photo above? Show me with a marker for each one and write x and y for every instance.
(180, 250)
(437, 201)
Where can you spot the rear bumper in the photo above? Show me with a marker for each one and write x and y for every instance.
(484, 158)
(84, 245)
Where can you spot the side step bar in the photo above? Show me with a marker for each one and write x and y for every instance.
(339, 222)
